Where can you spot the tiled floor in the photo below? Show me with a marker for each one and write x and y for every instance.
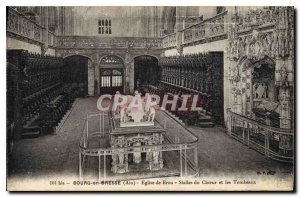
(58, 154)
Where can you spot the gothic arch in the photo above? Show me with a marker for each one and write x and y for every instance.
(82, 55)
(249, 85)
(90, 71)
(266, 59)
(112, 55)
(151, 55)
(244, 62)
(146, 70)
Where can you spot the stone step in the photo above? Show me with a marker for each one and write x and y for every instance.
(204, 119)
(176, 117)
(31, 128)
(65, 117)
(31, 134)
(205, 124)
(179, 120)
(62, 121)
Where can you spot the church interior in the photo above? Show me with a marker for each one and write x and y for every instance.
(237, 61)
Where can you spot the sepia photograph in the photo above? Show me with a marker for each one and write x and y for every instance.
(150, 98)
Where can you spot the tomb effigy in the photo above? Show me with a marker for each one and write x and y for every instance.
(133, 137)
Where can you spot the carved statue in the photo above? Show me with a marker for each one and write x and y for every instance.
(120, 159)
(284, 77)
(137, 157)
(122, 114)
(135, 108)
(151, 114)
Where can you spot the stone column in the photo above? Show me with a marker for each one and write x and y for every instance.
(284, 79)
(45, 30)
(285, 108)
(126, 78)
(91, 78)
(131, 77)
(285, 141)
(128, 73)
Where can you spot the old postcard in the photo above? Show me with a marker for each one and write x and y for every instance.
(154, 98)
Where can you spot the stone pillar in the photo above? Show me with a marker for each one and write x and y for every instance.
(68, 21)
(46, 30)
(285, 108)
(243, 93)
(128, 73)
(284, 79)
(179, 38)
(285, 141)
(91, 78)
(131, 77)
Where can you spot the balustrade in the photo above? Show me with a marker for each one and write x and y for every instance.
(169, 41)
(108, 42)
(20, 25)
(274, 143)
(209, 30)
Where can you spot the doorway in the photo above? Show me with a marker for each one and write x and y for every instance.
(76, 72)
(111, 80)
(146, 71)
(217, 94)
(111, 74)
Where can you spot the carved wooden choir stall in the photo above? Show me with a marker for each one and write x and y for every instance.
(197, 74)
(38, 94)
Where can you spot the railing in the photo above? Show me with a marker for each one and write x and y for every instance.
(184, 145)
(169, 40)
(206, 31)
(209, 30)
(19, 25)
(274, 143)
(108, 42)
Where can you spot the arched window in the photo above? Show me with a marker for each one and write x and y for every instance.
(111, 60)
